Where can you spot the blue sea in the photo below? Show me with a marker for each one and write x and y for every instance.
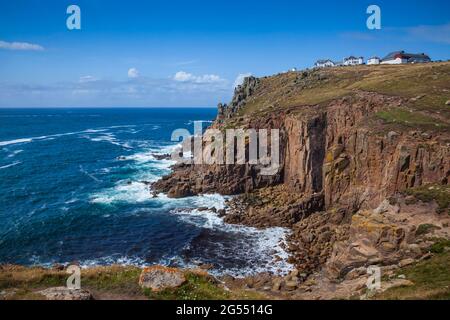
(74, 188)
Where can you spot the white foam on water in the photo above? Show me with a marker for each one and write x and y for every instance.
(141, 157)
(14, 153)
(134, 192)
(11, 165)
(16, 141)
(48, 137)
(72, 200)
(109, 138)
(266, 244)
(137, 191)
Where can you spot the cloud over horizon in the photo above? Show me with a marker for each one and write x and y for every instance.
(20, 46)
(137, 90)
(133, 73)
(182, 76)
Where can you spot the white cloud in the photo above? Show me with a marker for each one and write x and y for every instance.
(85, 79)
(23, 46)
(240, 79)
(182, 76)
(89, 90)
(133, 73)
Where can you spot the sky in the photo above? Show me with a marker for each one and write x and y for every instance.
(192, 53)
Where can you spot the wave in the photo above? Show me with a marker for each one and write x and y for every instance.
(136, 188)
(13, 153)
(250, 244)
(16, 141)
(11, 165)
(31, 139)
(260, 250)
(124, 191)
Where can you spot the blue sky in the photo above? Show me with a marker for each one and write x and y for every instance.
(190, 53)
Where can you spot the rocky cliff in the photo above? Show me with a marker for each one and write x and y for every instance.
(351, 139)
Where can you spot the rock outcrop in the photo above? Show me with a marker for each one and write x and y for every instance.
(342, 162)
(63, 293)
(158, 278)
(241, 93)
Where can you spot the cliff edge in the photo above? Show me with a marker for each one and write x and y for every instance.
(365, 164)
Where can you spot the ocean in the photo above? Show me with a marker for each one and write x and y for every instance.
(74, 188)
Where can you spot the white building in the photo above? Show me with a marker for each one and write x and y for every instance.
(374, 60)
(353, 61)
(401, 57)
(324, 64)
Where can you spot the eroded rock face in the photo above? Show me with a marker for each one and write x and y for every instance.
(241, 93)
(158, 278)
(339, 165)
(335, 150)
(397, 234)
(273, 206)
(63, 293)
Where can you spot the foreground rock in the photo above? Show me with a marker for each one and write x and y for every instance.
(158, 278)
(63, 293)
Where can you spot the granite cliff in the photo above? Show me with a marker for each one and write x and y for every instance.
(365, 164)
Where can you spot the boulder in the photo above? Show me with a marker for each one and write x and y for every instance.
(406, 262)
(63, 293)
(158, 278)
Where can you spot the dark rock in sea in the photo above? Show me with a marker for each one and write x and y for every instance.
(221, 213)
(162, 156)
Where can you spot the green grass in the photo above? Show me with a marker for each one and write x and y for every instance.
(409, 118)
(433, 192)
(431, 280)
(293, 90)
(440, 246)
(196, 288)
(115, 281)
(424, 229)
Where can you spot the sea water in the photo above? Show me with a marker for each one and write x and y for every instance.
(74, 187)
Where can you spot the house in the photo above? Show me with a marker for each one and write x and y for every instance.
(401, 57)
(353, 61)
(324, 64)
(373, 61)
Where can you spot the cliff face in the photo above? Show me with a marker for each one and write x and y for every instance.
(338, 150)
(348, 142)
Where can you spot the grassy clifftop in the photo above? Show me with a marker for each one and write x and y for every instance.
(425, 89)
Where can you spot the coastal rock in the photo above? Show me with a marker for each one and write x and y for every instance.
(340, 166)
(63, 293)
(161, 156)
(158, 278)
